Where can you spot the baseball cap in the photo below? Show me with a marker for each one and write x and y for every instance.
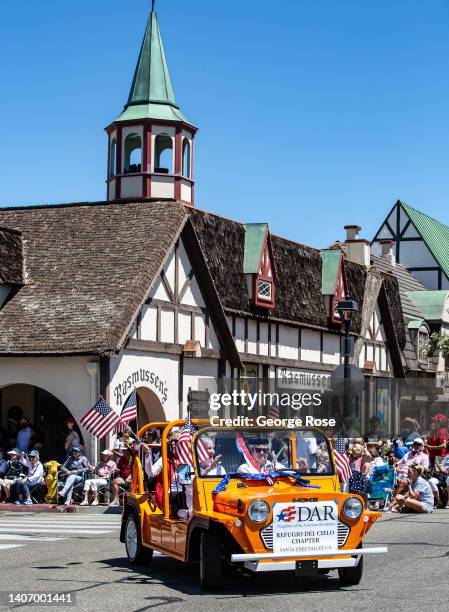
(13, 451)
(75, 449)
(34, 453)
(418, 441)
(439, 417)
(106, 452)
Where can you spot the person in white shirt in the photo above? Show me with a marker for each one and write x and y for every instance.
(212, 465)
(307, 448)
(258, 462)
(25, 485)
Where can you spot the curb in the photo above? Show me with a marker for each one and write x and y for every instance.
(73, 509)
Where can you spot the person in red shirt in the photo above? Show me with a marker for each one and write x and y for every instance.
(123, 473)
(437, 438)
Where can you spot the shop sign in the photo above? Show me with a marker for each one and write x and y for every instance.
(295, 378)
(140, 377)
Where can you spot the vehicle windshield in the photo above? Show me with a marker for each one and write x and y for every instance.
(252, 451)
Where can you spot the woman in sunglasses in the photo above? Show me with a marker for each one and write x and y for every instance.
(258, 457)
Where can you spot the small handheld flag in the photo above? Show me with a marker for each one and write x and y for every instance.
(100, 419)
(184, 444)
(342, 466)
(129, 412)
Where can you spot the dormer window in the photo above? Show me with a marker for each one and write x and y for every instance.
(264, 289)
(333, 283)
(419, 333)
(423, 345)
(258, 265)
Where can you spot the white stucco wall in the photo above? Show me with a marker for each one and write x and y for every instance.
(74, 381)
(155, 371)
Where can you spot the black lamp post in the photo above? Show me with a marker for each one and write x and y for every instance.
(347, 309)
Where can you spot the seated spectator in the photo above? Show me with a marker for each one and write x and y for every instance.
(74, 467)
(415, 455)
(122, 475)
(441, 474)
(24, 486)
(14, 471)
(2, 462)
(373, 460)
(104, 468)
(417, 495)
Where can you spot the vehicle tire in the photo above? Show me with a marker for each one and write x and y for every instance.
(211, 565)
(350, 576)
(136, 552)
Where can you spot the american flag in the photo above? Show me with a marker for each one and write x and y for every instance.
(273, 412)
(342, 466)
(100, 419)
(129, 412)
(184, 444)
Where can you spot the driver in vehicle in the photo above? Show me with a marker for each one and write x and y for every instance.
(257, 456)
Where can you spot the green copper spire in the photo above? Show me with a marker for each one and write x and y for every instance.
(152, 95)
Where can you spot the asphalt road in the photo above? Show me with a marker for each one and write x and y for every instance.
(88, 560)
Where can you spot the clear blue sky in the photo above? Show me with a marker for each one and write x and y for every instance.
(312, 113)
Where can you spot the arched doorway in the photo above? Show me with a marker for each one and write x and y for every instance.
(46, 414)
(149, 407)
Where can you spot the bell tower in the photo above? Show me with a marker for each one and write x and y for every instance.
(150, 152)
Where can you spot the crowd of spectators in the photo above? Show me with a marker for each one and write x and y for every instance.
(418, 463)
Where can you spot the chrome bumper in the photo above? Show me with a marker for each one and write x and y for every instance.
(325, 563)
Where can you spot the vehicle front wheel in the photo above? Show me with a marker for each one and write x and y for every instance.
(211, 565)
(350, 576)
(137, 553)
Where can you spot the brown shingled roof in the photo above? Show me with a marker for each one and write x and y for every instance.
(11, 259)
(89, 267)
(298, 288)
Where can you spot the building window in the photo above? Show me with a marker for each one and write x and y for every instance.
(113, 157)
(163, 154)
(264, 290)
(133, 153)
(186, 158)
(423, 346)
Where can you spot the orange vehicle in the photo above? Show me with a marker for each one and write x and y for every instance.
(264, 499)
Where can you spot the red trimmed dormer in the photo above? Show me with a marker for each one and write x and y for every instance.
(334, 286)
(258, 265)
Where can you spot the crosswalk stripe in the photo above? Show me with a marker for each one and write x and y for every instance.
(3, 546)
(29, 538)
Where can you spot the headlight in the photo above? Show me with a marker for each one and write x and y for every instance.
(353, 508)
(258, 511)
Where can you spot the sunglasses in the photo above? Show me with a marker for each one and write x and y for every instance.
(261, 449)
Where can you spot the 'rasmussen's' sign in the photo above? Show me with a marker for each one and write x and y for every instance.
(140, 376)
(302, 379)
